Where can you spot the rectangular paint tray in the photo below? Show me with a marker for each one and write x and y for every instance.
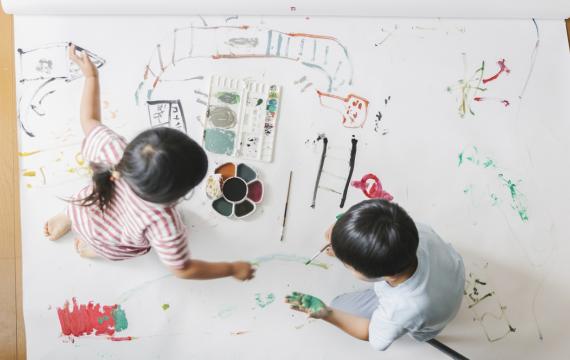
(241, 118)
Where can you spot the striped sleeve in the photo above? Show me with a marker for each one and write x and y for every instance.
(103, 145)
(167, 235)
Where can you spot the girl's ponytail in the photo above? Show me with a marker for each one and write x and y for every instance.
(104, 178)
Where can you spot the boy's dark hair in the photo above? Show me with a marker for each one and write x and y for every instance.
(160, 165)
(377, 238)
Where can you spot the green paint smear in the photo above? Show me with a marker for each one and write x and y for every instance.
(120, 319)
(102, 319)
(307, 302)
(518, 198)
(228, 97)
(288, 258)
(165, 307)
(226, 311)
(219, 141)
(264, 302)
(495, 199)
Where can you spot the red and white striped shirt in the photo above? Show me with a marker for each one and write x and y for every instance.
(130, 226)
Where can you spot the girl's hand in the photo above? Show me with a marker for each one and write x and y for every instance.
(242, 270)
(310, 305)
(83, 61)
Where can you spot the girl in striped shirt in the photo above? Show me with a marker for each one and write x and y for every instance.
(130, 206)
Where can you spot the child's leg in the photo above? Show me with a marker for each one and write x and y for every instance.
(84, 250)
(57, 226)
(360, 303)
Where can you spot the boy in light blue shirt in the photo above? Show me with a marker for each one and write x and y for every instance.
(418, 278)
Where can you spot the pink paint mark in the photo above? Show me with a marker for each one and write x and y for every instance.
(502, 68)
(372, 188)
(503, 101)
(84, 319)
(121, 338)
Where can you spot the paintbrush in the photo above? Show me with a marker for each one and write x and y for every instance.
(286, 205)
(317, 254)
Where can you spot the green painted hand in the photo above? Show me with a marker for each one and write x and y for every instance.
(312, 306)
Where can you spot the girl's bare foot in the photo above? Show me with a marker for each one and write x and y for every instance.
(57, 226)
(84, 250)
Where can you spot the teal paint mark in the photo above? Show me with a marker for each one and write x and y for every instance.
(149, 94)
(518, 198)
(120, 319)
(488, 163)
(288, 258)
(279, 41)
(228, 97)
(219, 141)
(315, 66)
(139, 88)
(268, 51)
(165, 307)
(468, 189)
(460, 159)
(494, 199)
(226, 311)
(263, 302)
(102, 319)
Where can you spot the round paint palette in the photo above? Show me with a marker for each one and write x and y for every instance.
(235, 190)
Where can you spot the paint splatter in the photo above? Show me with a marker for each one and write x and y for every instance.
(322, 137)
(228, 97)
(264, 301)
(353, 108)
(351, 163)
(502, 68)
(239, 332)
(518, 199)
(372, 187)
(86, 319)
(165, 307)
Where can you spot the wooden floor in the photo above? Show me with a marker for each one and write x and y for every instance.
(12, 337)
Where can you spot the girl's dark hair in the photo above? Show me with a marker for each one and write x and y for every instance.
(160, 165)
(377, 238)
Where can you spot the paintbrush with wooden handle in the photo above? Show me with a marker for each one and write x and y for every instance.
(317, 254)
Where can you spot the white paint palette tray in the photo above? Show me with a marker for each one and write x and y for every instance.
(241, 118)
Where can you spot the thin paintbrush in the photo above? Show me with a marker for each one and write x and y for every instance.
(286, 205)
(317, 254)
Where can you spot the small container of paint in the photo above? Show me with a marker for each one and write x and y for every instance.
(240, 190)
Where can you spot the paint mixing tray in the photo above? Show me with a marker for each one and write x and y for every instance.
(241, 118)
(235, 190)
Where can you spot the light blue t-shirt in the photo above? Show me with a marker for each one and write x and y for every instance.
(427, 301)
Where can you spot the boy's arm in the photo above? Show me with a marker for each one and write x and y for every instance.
(90, 112)
(203, 270)
(353, 325)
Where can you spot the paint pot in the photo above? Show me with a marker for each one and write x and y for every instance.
(234, 189)
(255, 191)
(219, 141)
(244, 208)
(214, 186)
(223, 207)
(222, 117)
(246, 173)
(226, 170)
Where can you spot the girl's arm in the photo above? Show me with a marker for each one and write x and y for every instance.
(90, 112)
(203, 270)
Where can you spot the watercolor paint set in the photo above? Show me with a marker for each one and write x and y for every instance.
(235, 190)
(241, 118)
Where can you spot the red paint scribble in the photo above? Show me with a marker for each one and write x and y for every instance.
(372, 188)
(121, 338)
(502, 68)
(355, 108)
(84, 319)
(503, 101)
(313, 36)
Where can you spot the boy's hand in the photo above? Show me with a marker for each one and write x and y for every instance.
(328, 233)
(242, 270)
(310, 305)
(83, 61)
